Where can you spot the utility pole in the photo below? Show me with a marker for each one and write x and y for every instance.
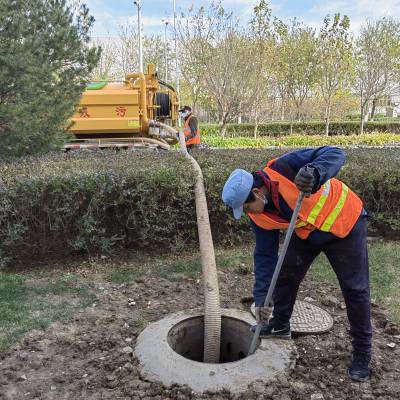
(176, 58)
(139, 13)
(166, 22)
(176, 50)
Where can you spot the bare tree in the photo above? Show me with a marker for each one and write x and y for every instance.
(107, 67)
(128, 58)
(216, 46)
(154, 53)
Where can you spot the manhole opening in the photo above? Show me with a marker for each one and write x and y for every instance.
(187, 339)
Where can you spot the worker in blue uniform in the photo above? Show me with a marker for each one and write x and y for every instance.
(332, 220)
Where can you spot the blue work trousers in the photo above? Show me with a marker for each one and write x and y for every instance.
(349, 260)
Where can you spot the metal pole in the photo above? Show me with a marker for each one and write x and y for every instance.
(139, 11)
(278, 267)
(176, 58)
(166, 51)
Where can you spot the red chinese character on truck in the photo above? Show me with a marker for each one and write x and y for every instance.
(121, 111)
(83, 112)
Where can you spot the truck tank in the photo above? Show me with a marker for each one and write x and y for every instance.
(118, 114)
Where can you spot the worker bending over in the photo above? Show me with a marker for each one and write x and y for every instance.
(191, 128)
(331, 220)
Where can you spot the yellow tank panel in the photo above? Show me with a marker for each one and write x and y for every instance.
(115, 108)
(105, 125)
(124, 109)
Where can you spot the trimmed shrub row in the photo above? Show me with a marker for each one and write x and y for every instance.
(303, 128)
(370, 139)
(90, 203)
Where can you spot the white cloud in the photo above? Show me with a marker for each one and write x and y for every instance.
(358, 10)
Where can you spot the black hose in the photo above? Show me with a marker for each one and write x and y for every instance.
(166, 85)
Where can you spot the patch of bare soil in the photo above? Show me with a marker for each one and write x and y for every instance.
(90, 357)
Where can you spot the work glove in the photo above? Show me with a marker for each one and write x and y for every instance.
(305, 180)
(263, 313)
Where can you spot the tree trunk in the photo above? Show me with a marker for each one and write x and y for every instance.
(255, 124)
(362, 119)
(327, 118)
(374, 101)
(223, 130)
(223, 124)
(327, 122)
(362, 104)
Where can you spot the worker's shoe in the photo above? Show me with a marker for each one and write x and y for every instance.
(274, 328)
(359, 369)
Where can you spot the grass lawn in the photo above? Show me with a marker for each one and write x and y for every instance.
(36, 299)
(384, 261)
(31, 301)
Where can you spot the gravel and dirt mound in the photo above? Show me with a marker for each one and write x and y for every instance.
(90, 356)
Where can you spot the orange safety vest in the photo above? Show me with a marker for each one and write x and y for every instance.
(187, 131)
(333, 208)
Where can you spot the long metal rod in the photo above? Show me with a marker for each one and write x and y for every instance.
(176, 59)
(278, 267)
(139, 17)
(166, 51)
(176, 50)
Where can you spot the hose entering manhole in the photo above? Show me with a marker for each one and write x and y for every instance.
(212, 310)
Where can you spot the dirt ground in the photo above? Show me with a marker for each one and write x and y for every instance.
(88, 357)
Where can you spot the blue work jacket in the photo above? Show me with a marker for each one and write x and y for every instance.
(326, 162)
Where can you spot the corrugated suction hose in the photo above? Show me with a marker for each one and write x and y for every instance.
(212, 311)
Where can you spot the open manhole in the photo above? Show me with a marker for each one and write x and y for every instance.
(187, 339)
(171, 351)
(307, 318)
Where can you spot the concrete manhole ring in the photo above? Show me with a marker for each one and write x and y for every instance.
(308, 318)
(160, 345)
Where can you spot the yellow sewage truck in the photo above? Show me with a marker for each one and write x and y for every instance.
(120, 114)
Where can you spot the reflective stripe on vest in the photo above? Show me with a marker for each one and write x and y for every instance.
(326, 227)
(318, 207)
(333, 208)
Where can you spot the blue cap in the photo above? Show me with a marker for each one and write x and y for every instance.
(236, 190)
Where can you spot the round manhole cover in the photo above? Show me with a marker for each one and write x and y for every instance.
(308, 318)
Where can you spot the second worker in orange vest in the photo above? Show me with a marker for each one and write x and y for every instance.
(191, 128)
(331, 220)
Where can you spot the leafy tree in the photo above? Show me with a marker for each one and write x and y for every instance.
(218, 50)
(193, 88)
(44, 63)
(261, 39)
(295, 63)
(377, 55)
(335, 61)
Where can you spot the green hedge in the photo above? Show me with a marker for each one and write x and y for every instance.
(370, 139)
(303, 128)
(63, 204)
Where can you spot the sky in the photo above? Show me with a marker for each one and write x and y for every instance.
(110, 14)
